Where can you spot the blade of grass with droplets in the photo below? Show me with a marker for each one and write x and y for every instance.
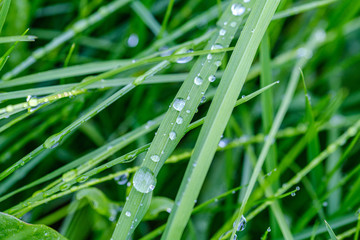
(180, 113)
(219, 113)
(77, 28)
(107, 150)
(55, 139)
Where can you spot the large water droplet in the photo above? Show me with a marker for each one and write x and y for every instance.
(155, 158)
(242, 224)
(212, 78)
(128, 214)
(237, 9)
(179, 104)
(144, 180)
(198, 80)
(133, 40)
(172, 135)
(32, 101)
(185, 59)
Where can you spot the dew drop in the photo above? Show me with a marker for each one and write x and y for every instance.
(298, 188)
(216, 46)
(325, 204)
(242, 224)
(222, 32)
(164, 52)
(209, 56)
(185, 59)
(133, 40)
(187, 111)
(172, 135)
(64, 187)
(32, 101)
(82, 179)
(237, 9)
(144, 180)
(293, 194)
(179, 120)
(223, 143)
(198, 80)
(218, 63)
(203, 99)
(155, 158)
(53, 141)
(168, 210)
(179, 104)
(122, 179)
(128, 214)
(66, 177)
(233, 24)
(212, 78)
(269, 229)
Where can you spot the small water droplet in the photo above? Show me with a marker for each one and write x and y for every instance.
(187, 111)
(325, 204)
(209, 56)
(241, 225)
(212, 78)
(185, 59)
(237, 9)
(203, 99)
(82, 179)
(198, 80)
(133, 40)
(53, 141)
(233, 24)
(168, 210)
(179, 104)
(223, 143)
(269, 229)
(128, 214)
(222, 32)
(172, 135)
(122, 179)
(144, 180)
(218, 63)
(155, 158)
(165, 53)
(64, 187)
(297, 188)
(216, 46)
(66, 177)
(293, 194)
(179, 120)
(304, 52)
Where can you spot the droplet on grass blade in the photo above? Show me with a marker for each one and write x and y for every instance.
(133, 40)
(128, 214)
(237, 9)
(222, 32)
(241, 225)
(179, 120)
(155, 158)
(198, 80)
(216, 46)
(144, 180)
(179, 104)
(172, 135)
(212, 78)
(185, 59)
(122, 179)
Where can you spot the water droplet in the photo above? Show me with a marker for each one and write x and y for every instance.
(133, 40)
(237, 9)
(242, 224)
(325, 204)
(209, 56)
(185, 59)
(168, 210)
(144, 180)
(82, 179)
(198, 80)
(212, 78)
(297, 188)
(164, 53)
(320, 35)
(32, 101)
(172, 135)
(122, 179)
(53, 141)
(179, 104)
(203, 99)
(216, 46)
(223, 143)
(233, 24)
(179, 120)
(128, 214)
(218, 63)
(64, 187)
(187, 111)
(304, 52)
(222, 32)
(66, 177)
(269, 229)
(155, 158)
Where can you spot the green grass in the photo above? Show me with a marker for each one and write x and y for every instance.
(125, 119)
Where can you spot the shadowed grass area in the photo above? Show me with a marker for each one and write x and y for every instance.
(125, 119)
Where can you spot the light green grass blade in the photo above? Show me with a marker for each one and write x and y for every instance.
(3, 12)
(330, 231)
